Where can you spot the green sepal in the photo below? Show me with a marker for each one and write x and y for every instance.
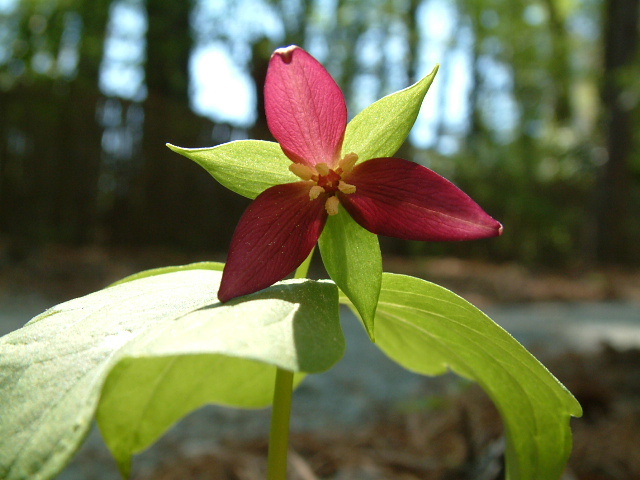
(429, 330)
(381, 128)
(247, 167)
(353, 260)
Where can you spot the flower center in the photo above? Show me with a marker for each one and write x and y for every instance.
(327, 181)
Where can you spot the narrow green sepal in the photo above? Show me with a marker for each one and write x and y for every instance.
(381, 128)
(353, 260)
(247, 167)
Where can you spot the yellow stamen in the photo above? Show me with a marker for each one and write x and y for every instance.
(346, 187)
(302, 171)
(331, 205)
(322, 168)
(348, 162)
(315, 192)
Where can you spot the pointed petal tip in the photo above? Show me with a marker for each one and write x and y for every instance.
(492, 228)
(285, 53)
(273, 237)
(234, 286)
(398, 198)
(224, 295)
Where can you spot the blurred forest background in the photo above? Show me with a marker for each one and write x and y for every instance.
(534, 113)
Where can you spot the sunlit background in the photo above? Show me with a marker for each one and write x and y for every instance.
(533, 112)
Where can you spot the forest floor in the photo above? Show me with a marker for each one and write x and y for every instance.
(453, 432)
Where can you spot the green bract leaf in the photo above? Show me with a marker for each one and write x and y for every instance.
(141, 340)
(381, 128)
(247, 167)
(352, 258)
(178, 268)
(428, 329)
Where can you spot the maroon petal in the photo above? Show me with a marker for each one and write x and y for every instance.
(402, 199)
(274, 236)
(305, 108)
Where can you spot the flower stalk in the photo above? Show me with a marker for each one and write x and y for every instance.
(279, 434)
(281, 412)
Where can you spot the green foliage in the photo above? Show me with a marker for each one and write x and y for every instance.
(145, 352)
(247, 167)
(380, 129)
(429, 330)
(179, 268)
(352, 258)
(168, 329)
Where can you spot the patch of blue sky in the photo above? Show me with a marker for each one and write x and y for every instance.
(122, 67)
(220, 88)
(500, 109)
(8, 29)
(445, 102)
(8, 6)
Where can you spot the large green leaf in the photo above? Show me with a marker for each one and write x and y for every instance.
(352, 258)
(150, 342)
(175, 268)
(428, 329)
(381, 128)
(247, 167)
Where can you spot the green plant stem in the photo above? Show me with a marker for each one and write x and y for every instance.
(279, 436)
(281, 413)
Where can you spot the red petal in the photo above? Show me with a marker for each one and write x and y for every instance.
(274, 236)
(402, 199)
(305, 108)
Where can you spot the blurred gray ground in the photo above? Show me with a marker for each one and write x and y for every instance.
(361, 385)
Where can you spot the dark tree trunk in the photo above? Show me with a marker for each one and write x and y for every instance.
(620, 50)
(51, 160)
(159, 188)
(173, 201)
(261, 53)
(560, 63)
(79, 132)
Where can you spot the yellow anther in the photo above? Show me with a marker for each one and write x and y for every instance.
(315, 192)
(323, 169)
(331, 205)
(346, 187)
(302, 171)
(348, 162)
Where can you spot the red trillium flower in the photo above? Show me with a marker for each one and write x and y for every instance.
(307, 114)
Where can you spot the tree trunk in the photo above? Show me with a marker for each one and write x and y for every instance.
(620, 51)
(79, 132)
(50, 165)
(173, 201)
